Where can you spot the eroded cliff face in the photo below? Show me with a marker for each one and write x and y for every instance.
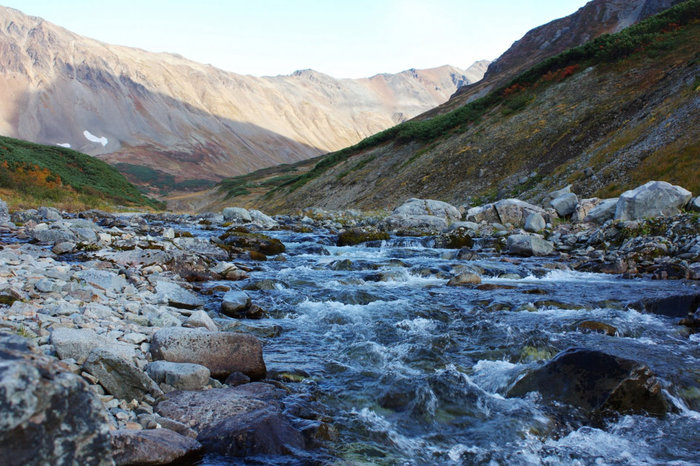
(185, 118)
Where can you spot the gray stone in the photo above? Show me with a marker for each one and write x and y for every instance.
(235, 302)
(176, 296)
(45, 285)
(200, 319)
(583, 208)
(527, 245)
(565, 204)
(603, 212)
(419, 207)
(152, 447)
(513, 211)
(52, 236)
(695, 204)
(221, 352)
(555, 194)
(120, 377)
(464, 279)
(49, 214)
(47, 415)
(64, 247)
(4, 212)
(236, 215)
(534, 223)
(103, 279)
(246, 421)
(77, 344)
(428, 223)
(261, 219)
(653, 199)
(180, 375)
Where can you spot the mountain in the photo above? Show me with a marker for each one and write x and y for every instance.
(605, 116)
(590, 21)
(186, 119)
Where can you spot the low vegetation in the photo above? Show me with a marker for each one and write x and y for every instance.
(34, 174)
(159, 180)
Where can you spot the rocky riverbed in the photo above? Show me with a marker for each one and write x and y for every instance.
(431, 334)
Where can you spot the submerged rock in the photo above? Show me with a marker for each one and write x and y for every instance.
(47, 415)
(358, 235)
(597, 383)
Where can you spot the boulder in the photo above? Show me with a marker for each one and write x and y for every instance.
(4, 212)
(261, 219)
(176, 296)
(534, 223)
(235, 303)
(670, 306)
(653, 199)
(71, 343)
(152, 447)
(513, 211)
(103, 279)
(695, 204)
(527, 245)
(464, 279)
(555, 194)
(120, 377)
(246, 421)
(52, 235)
(47, 415)
(221, 352)
(419, 207)
(595, 382)
(179, 375)
(565, 204)
(200, 319)
(601, 213)
(354, 236)
(583, 208)
(414, 223)
(236, 215)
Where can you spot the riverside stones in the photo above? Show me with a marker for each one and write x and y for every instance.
(565, 204)
(417, 207)
(513, 211)
(221, 352)
(4, 213)
(603, 212)
(179, 375)
(176, 296)
(527, 245)
(47, 415)
(653, 199)
(77, 344)
(534, 223)
(235, 303)
(156, 446)
(596, 382)
(236, 215)
(120, 377)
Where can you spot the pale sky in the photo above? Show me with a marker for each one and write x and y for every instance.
(346, 39)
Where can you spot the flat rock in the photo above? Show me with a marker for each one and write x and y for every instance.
(103, 280)
(152, 447)
(120, 377)
(221, 352)
(47, 415)
(180, 375)
(175, 295)
(71, 343)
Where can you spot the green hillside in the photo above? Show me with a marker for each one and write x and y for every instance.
(34, 174)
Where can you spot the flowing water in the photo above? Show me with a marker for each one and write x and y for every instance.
(412, 371)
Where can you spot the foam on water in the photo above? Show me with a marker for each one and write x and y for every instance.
(493, 376)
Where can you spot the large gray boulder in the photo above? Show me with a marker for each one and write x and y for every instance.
(176, 296)
(417, 207)
(236, 215)
(604, 211)
(513, 211)
(595, 382)
(120, 377)
(72, 343)
(247, 420)
(419, 223)
(534, 223)
(526, 245)
(152, 447)
(47, 415)
(179, 375)
(53, 235)
(261, 219)
(653, 199)
(221, 352)
(565, 204)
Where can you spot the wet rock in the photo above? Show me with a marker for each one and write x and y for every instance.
(237, 378)
(456, 238)
(176, 296)
(256, 242)
(236, 215)
(603, 212)
(598, 327)
(47, 415)
(595, 382)
(534, 223)
(673, 306)
(235, 303)
(565, 204)
(180, 375)
(221, 352)
(358, 235)
(242, 423)
(526, 245)
(77, 344)
(120, 377)
(418, 207)
(464, 279)
(152, 447)
(653, 199)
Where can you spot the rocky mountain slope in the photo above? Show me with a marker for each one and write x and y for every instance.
(606, 116)
(187, 119)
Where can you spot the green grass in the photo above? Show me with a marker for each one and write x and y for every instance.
(165, 182)
(649, 35)
(91, 179)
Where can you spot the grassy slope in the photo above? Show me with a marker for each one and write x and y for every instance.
(540, 130)
(76, 181)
